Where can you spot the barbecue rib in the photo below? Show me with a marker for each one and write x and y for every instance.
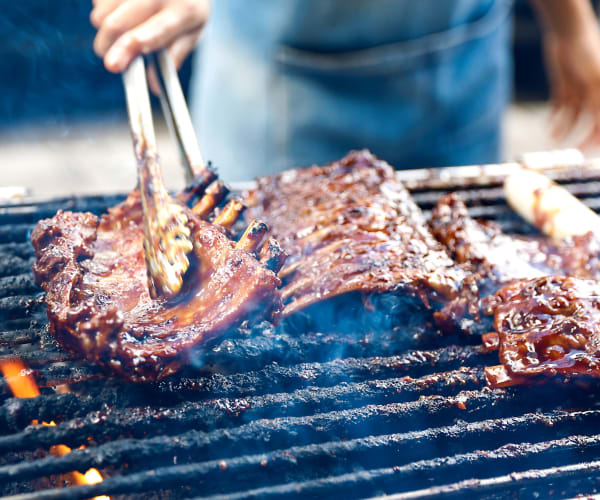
(546, 327)
(496, 259)
(352, 230)
(99, 305)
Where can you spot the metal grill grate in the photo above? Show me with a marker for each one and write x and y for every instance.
(288, 416)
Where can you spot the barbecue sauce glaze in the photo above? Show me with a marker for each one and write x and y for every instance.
(99, 305)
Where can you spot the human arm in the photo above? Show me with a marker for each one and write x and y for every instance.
(572, 51)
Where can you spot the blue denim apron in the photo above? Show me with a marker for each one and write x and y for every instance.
(284, 83)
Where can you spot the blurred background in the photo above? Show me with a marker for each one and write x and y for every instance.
(63, 123)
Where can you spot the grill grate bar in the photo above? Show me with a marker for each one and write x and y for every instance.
(313, 461)
(35, 358)
(226, 412)
(18, 337)
(15, 233)
(495, 194)
(12, 265)
(276, 377)
(35, 323)
(272, 378)
(504, 216)
(484, 462)
(515, 480)
(17, 414)
(31, 212)
(268, 435)
(18, 284)
(22, 250)
(56, 377)
(21, 306)
(377, 482)
(418, 362)
(265, 347)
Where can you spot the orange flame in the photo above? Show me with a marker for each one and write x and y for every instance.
(19, 379)
(22, 385)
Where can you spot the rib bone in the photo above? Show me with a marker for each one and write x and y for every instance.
(272, 255)
(230, 213)
(196, 189)
(213, 195)
(253, 236)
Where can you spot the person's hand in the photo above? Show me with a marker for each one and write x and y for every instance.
(127, 28)
(573, 63)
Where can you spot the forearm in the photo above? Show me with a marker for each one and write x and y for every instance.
(565, 17)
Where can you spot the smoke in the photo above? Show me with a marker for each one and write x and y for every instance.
(346, 326)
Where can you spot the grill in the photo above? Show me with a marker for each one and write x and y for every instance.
(282, 415)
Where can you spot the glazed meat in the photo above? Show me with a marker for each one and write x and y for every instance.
(354, 234)
(503, 258)
(497, 256)
(543, 323)
(546, 327)
(99, 305)
(494, 259)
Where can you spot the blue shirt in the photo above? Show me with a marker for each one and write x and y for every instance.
(283, 83)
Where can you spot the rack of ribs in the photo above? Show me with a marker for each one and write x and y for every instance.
(539, 299)
(493, 259)
(353, 235)
(98, 300)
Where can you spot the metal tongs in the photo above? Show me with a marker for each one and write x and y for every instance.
(167, 240)
(176, 112)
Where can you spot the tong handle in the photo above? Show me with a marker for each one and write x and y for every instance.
(178, 116)
(166, 234)
(139, 108)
